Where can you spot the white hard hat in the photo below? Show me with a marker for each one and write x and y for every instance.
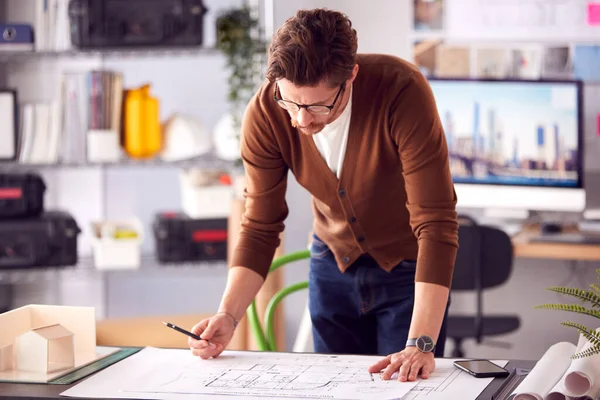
(184, 137)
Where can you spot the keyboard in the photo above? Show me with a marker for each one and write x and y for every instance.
(571, 238)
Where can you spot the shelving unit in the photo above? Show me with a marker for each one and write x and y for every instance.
(194, 75)
(209, 161)
(85, 269)
(107, 53)
(51, 280)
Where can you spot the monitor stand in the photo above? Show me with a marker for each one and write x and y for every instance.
(514, 221)
(507, 214)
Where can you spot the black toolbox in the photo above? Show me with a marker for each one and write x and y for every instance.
(48, 240)
(179, 238)
(135, 23)
(21, 195)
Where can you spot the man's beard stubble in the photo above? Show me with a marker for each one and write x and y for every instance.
(312, 129)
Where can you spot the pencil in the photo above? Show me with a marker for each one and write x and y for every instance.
(181, 330)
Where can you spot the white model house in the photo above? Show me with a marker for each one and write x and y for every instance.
(45, 349)
(6, 357)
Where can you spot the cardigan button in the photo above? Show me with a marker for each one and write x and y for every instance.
(361, 238)
(352, 220)
(342, 192)
(346, 260)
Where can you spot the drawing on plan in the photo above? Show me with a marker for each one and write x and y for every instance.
(272, 375)
(439, 382)
(448, 382)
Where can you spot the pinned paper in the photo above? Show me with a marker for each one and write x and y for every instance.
(526, 63)
(452, 61)
(585, 63)
(593, 13)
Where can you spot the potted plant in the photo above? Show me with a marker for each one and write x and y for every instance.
(239, 39)
(590, 296)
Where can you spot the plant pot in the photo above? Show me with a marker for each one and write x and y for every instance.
(227, 138)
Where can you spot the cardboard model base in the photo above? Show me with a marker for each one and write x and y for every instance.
(50, 324)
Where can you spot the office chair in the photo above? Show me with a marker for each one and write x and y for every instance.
(265, 335)
(484, 260)
(6, 297)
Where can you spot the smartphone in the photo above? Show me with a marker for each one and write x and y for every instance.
(481, 368)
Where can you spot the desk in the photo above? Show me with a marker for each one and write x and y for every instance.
(524, 248)
(22, 391)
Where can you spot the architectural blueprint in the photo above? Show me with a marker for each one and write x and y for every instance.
(271, 375)
(175, 374)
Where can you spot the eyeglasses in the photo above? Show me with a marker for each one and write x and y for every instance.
(316, 109)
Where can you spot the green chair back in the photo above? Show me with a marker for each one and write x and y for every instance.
(265, 336)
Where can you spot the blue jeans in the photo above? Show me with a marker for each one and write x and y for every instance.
(365, 310)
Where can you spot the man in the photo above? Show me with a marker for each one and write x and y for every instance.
(362, 134)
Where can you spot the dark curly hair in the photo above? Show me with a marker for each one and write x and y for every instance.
(313, 46)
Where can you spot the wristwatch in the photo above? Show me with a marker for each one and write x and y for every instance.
(424, 343)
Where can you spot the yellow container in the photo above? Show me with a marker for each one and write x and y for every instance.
(142, 133)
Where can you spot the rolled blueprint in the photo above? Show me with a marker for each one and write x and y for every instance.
(583, 373)
(591, 394)
(547, 372)
(559, 391)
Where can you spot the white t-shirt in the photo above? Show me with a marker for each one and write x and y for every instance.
(332, 140)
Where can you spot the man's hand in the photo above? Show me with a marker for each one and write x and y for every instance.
(242, 286)
(408, 363)
(216, 333)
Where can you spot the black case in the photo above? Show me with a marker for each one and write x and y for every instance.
(49, 240)
(21, 195)
(134, 23)
(180, 238)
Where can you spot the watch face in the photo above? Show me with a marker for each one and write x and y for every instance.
(425, 344)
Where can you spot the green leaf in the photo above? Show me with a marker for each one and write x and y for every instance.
(584, 295)
(239, 39)
(587, 353)
(576, 308)
(590, 334)
(595, 287)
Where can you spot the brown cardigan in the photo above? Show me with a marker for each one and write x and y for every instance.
(394, 200)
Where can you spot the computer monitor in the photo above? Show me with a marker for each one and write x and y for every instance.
(514, 144)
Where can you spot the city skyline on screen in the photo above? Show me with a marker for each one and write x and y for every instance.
(510, 132)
